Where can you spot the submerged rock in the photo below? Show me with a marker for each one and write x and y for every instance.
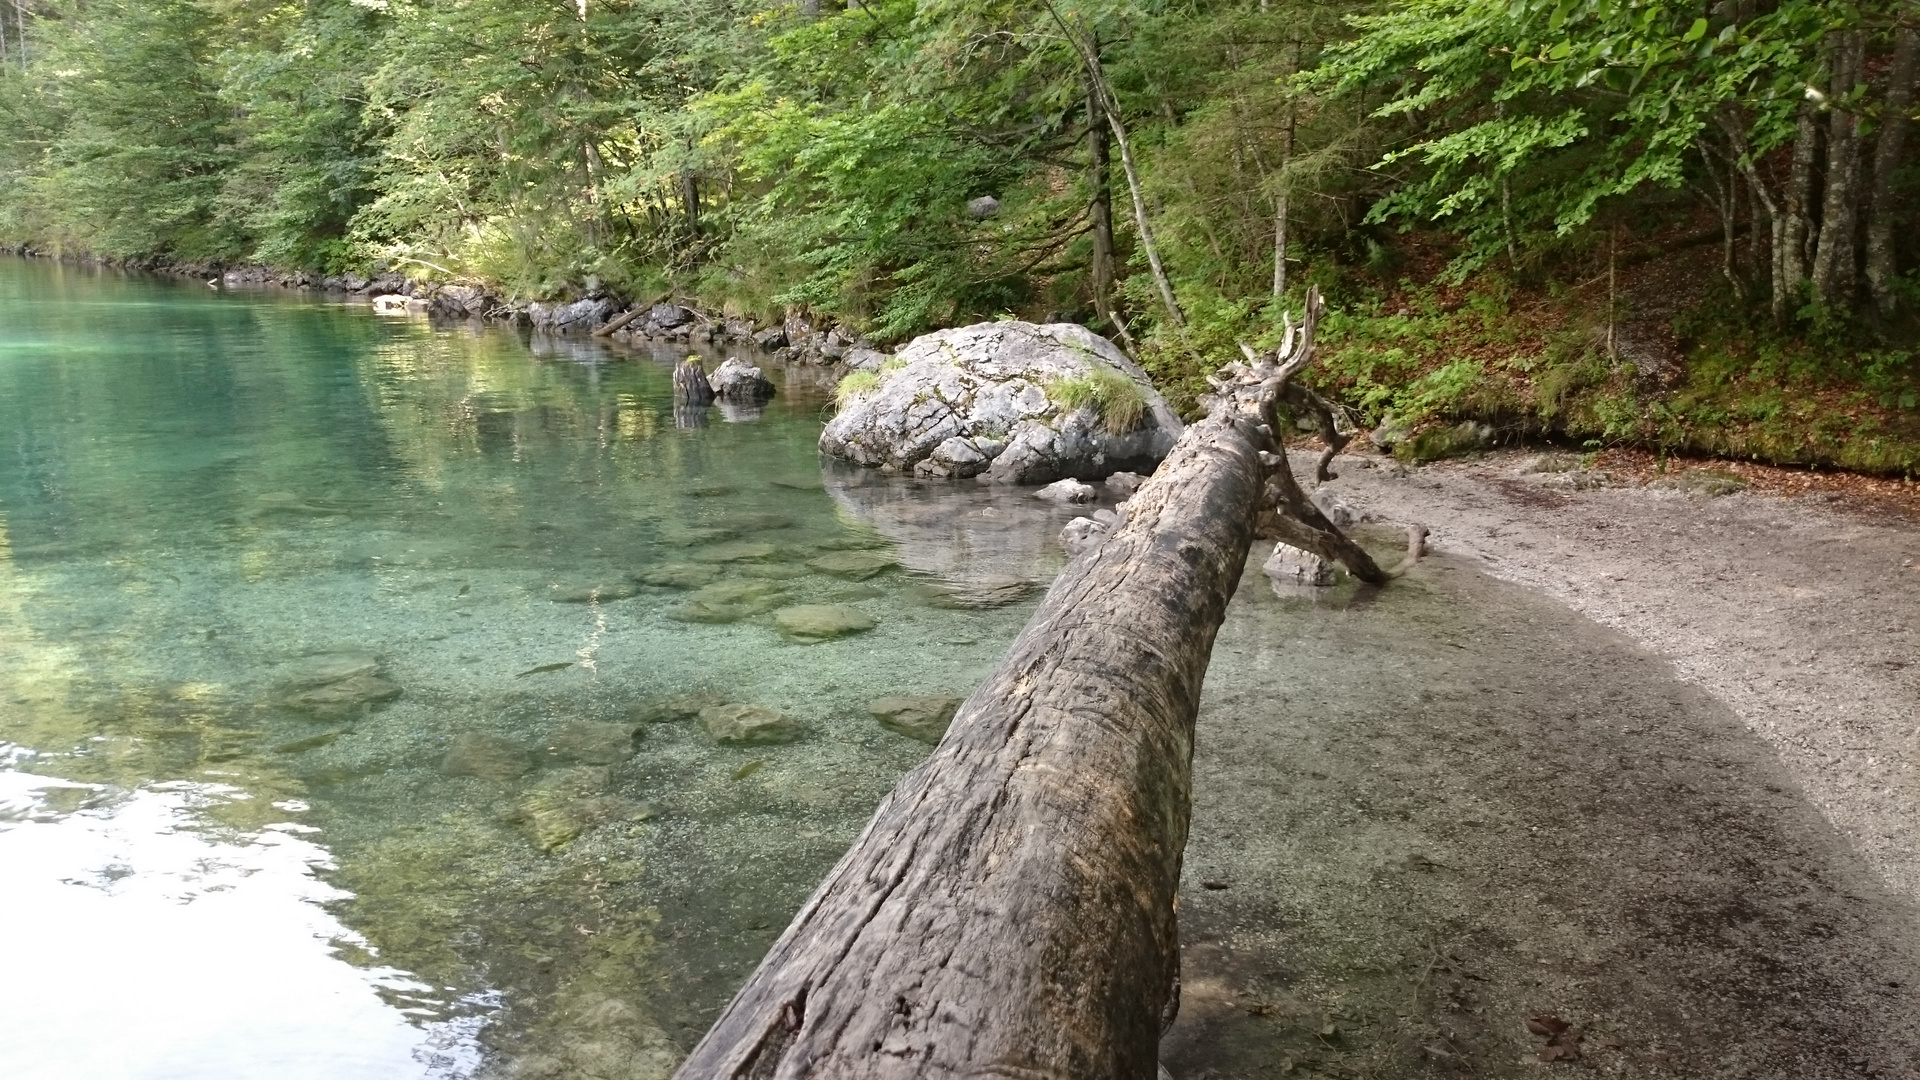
(813, 623)
(1124, 484)
(594, 593)
(318, 669)
(734, 552)
(689, 535)
(568, 804)
(675, 707)
(345, 695)
(591, 744)
(729, 601)
(857, 565)
(923, 717)
(974, 401)
(983, 592)
(743, 724)
(487, 757)
(755, 521)
(680, 575)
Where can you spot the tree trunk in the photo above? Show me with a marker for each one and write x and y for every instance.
(690, 201)
(1835, 260)
(1088, 49)
(1764, 199)
(1009, 911)
(1280, 209)
(1796, 229)
(1889, 149)
(1100, 210)
(690, 385)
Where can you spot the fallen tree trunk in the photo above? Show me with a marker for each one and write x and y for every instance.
(1010, 909)
(629, 315)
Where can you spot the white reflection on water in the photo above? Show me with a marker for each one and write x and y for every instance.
(135, 947)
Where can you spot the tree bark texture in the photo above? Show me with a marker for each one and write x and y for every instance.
(690, 385)
(1888, 151)
(1100, 209)
(1797, 228)
(1835, 257)
(1009, 911)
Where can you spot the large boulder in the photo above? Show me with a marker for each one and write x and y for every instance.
(736, 380)
(461, 300)
(981, 401)
(579, 317)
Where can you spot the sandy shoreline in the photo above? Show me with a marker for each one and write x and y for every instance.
(1801, 614)
(1633, 759)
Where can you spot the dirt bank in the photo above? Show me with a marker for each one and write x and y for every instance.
(1663, 791)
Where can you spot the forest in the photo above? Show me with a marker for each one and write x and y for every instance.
(1682, 227)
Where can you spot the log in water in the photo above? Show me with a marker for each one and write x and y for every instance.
(1009, 911)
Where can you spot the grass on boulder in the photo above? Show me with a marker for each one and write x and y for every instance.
(1116, 399)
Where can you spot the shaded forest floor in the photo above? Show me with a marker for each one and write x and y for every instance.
(1656, 783)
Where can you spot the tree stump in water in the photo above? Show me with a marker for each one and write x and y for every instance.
(690, 385)
(1009, 910)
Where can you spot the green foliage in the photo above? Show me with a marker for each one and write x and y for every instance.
(1111, 395)
(1523, 116)
(856, 385)
(135, 158)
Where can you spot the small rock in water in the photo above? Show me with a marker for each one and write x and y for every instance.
(706, 490)
(1292, 566)
(771, 571)
(1066, 491)
(344, 695)
(742, 724)
(988, 592)
(597, 592)
(688, 535)
(858, 565)
(1083, 534)
(318, 669)
(676, 707)
(488, 757)
(855, 593)
(922, 717)
(567, 804)
(800, 483)
(729, 601)
(737, 592)
(1337, 511)
(756, 522)
(591, 744)
(680, 575)
(810, 624)
(1125, 483)
(735, 552)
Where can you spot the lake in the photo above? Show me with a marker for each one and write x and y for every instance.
(333, 653)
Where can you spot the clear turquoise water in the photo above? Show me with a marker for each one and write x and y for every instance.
(200, 493)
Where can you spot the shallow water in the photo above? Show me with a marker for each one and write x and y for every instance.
(234, 527)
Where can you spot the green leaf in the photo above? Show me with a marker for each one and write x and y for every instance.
(1561, 51)
(1697, 31)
